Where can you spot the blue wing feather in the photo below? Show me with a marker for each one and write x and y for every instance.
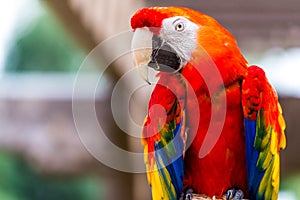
(176, 166)
(264, 129)
(254, 174)
(164, 138)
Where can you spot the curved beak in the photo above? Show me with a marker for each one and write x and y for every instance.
(149, 50)
(141, 48)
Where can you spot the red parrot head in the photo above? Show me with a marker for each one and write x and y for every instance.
(168, 38)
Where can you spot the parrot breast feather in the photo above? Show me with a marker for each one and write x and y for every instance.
(264, 127)
(164, 143)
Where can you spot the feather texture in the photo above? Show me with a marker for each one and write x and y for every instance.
(264, 127)
(164, 141)
(260, 117)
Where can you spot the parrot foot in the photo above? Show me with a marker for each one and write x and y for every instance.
(234, 194)
(187, 195)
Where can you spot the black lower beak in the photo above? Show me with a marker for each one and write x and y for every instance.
(163, 56)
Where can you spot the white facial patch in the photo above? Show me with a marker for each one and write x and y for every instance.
(181, 34)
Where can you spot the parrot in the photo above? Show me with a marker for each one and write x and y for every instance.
(204, 82)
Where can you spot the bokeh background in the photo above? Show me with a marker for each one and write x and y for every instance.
(42, 46)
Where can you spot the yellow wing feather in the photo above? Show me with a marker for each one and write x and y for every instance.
(262, 110)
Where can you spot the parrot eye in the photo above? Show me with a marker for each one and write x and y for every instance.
(179, 27)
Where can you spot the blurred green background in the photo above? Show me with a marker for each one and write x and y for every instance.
(20, 181)
(41, 45)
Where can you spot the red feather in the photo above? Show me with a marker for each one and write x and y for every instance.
(225, 165)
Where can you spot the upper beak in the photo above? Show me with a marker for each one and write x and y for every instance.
(150, 50)
(141, 48)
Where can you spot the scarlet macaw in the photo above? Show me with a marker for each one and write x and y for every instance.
(244, 161)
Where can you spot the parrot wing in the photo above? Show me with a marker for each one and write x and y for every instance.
(164, 144)
(264, 128)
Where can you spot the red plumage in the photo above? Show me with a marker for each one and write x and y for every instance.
(224, 166)
(219, 170)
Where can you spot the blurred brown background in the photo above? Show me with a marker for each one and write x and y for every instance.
(41, 154)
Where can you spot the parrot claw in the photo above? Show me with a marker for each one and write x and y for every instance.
(234, 194)
(188, 195)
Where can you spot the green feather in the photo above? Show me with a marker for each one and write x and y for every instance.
(167, 134)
